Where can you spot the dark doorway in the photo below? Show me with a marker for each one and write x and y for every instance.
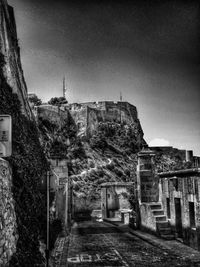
(192, 214)
(177, 202)
(168, 208)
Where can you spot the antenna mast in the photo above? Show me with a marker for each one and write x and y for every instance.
(64, 88)
(120, 108)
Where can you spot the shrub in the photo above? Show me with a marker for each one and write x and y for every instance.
(127, 172)
(35, 100)
(110, 166)
(57, 101)
(118, 172)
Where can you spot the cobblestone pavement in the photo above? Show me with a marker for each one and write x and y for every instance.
(99, 244)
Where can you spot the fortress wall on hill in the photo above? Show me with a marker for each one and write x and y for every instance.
(88, 115)
(51, 113)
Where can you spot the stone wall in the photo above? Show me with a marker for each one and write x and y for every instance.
(59, 184)
(186, 190)
(8, 225)
(148, 222)
(147, 181)
(114, 198)
(80, 118)
(51, 113)
(88, 115)
(9, 48)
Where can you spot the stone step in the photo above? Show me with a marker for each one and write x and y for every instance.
(161, 225)
(168, 237)
(162, 218)
(156, 206)
(158, 212)
(165, 231)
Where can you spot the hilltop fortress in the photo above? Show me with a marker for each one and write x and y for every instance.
(87, 116)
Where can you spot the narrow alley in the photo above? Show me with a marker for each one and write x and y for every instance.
(102, 244)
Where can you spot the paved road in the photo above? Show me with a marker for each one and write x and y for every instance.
(95, 244)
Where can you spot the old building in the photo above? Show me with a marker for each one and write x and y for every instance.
(169, 203)
(181, 203)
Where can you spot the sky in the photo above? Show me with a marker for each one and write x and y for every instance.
(148, 50)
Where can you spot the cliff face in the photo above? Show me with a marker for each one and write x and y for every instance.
(9, 48)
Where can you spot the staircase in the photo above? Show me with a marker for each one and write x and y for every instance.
(163, 227)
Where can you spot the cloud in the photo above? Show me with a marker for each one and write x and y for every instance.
(159, 142)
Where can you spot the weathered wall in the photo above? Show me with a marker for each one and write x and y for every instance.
(80, 118)
(59, 184)
(9, 48)
(8, 225)
(187, 189)
(147, 182)
(148, 221)
(51, 113)
(114, 198)
(88, 115)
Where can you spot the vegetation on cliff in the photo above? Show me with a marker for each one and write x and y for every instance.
(35, 100)
(59, 140)
(28, 165)
(110, 156)
(170, 160)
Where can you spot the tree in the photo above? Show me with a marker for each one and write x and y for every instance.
(35, 100)
(57, 101)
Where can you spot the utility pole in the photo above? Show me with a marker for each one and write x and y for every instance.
(47, 247)
(66, 204)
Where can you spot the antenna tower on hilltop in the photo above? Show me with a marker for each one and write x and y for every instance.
(120, 108)
(64, 88)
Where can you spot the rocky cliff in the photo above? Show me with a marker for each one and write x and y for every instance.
(10, 51)
(103, 140)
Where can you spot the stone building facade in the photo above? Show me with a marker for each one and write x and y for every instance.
(169, 202)
(8, 224)
(180, 196)
(60, 185)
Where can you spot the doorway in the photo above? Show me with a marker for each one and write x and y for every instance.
(192, 214)
(168, 208)
(178, 217)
